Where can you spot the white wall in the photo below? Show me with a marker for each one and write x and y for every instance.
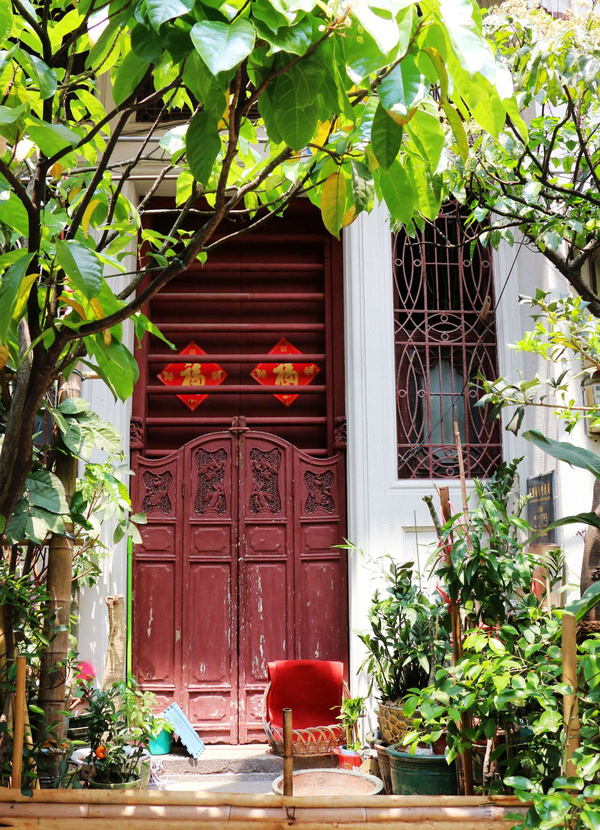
(382, 510)
(93, 613)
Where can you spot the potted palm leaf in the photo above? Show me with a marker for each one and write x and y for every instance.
(352, 708)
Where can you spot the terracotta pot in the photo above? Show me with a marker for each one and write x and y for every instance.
(383, 759)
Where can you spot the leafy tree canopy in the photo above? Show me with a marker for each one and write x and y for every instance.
(543, 178)
(254, 102)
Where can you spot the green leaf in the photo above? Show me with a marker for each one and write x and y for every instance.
(580, 518)
(41, 73)
(159, 11)
(128, 77)
(14, 214)
(553, 808)
(383, 30)
(576, 456)
(386, 137)
(223, 46)
(333, 202)
(81, 265)
(295, 122)
(403, 90)
(519, 782)
(591, 816)
(582, 606)
(51, 138)
(9, 292)
(45, 490)
(428, 193)
(146, 43)
(8, 115)
(396, 188)
(458, 129)
(362, 186)
(115, 365)
(202, 145)
(73, 406)
(6, 19)
(471, 48)
(426, 131)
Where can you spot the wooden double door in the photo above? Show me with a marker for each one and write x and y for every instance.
(236, 569)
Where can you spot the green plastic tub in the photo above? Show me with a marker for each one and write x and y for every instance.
(421, 774)
(162, 743)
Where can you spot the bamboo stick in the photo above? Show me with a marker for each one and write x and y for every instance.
(571, 704)
(288, 758)
(19, 728)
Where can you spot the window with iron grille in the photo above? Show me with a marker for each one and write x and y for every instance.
(445, 334)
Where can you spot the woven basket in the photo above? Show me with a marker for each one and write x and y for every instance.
(393, 723)
(320, 740)
(316, 740)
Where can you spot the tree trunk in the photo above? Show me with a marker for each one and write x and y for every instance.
(60, 560)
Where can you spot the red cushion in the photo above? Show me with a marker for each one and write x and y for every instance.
(312, 689)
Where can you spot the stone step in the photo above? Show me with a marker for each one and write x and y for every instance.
(220, 759)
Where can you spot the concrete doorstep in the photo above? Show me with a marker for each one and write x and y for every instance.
(226, 769)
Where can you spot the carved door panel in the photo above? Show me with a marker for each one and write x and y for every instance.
(266, 569)
(157, 577)
(236, 569)
(210, 587)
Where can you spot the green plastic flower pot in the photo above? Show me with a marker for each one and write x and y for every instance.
(122, 785)
(421, 774)
(162, 743)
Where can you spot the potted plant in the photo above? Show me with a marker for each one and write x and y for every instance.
(352, 708)
(139, 711)
(408, 637)
(121, 723)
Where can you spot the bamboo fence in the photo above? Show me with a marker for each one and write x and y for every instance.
(162, 810)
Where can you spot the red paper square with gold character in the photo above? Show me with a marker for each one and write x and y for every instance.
(193, 375)
(286, 373)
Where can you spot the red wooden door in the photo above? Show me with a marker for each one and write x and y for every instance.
(235, 570)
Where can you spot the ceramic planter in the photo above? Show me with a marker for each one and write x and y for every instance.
(421, 774)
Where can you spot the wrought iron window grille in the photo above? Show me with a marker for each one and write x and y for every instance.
(445, 335)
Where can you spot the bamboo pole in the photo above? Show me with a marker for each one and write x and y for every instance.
(571, 704)
(53, 666)
(19, 727)
(465, 719)
(288, 758)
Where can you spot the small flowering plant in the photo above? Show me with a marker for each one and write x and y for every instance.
(121, 723)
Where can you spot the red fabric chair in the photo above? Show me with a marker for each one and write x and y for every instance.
(313, 690)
